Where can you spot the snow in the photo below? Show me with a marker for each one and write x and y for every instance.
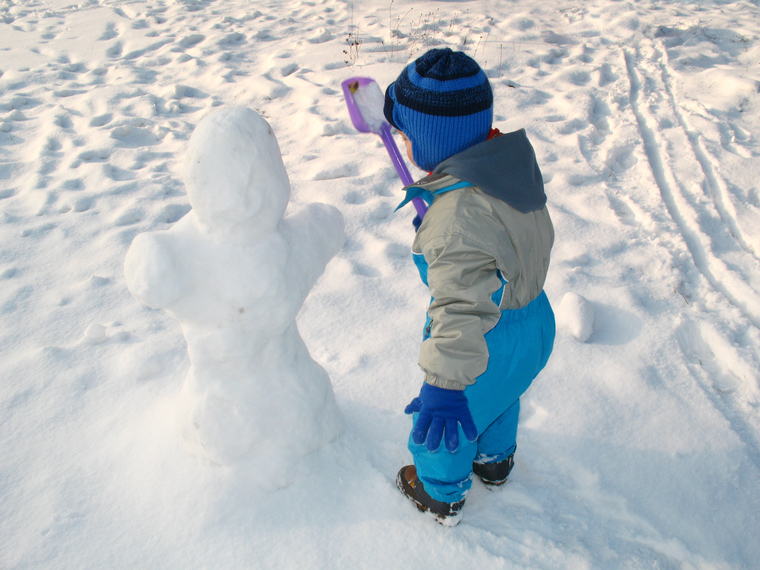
(235, 273)
(639, 448)
(370, 100)
(576, 314)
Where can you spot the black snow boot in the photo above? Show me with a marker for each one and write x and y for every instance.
(447, 514)
(494, 473)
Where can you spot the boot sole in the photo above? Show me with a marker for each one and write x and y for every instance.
(410, 493)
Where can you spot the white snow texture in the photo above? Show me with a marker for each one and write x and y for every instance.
(637, 449)
(370, 100)
(235, 273)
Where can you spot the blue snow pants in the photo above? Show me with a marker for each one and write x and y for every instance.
(519, 347)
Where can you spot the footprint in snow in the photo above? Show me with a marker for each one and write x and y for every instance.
(613, 326)
(398, 251)
(82, 204)
(115, 50)
(267, 88)
(118, 174)
(63, 93)
(17, 298)
(94, 155)
(729, 135)
(343, 171)
(96, 333)
(237, 38)
(354, 198)
(63, 121)
(181, 91)
(101, 120)
(192, 40)
(265, 36)
(75, 67)
(551, 37)
(382, 212)
(520, 23)
(321, 36)
(173, 213)
(52, 145)
(333, 128)
(621, 159)
(110, 32)
(289, 69)
(131, 216)
(577, 77)
(606, 75)
(366, 270)
(584, 54)
(555, 56)
(38, 231)
(623, 211)
(573, 126)
(721, 359)
(332, 66)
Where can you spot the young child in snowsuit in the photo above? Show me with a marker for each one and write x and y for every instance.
(483, 250)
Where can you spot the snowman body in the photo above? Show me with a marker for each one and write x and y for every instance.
(234, 273)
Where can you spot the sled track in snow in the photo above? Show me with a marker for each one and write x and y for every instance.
(687, 209)
(727, 407)
(676, 198)
(718, 187)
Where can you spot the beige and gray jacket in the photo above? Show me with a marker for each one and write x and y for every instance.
(470, 239)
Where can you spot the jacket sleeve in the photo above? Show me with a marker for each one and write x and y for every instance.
(462, 277)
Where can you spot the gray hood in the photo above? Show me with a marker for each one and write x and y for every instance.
(504, 167)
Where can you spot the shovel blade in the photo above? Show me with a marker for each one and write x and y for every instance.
(365, 101)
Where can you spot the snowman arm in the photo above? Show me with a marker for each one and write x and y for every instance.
(315, 235)
(151, 272)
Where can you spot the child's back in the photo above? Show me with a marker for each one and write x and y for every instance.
(483, 249)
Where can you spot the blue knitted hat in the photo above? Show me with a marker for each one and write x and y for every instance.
(443, 102)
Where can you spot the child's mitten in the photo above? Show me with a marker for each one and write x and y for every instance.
(439, 408)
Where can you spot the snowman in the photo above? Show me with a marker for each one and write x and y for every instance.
(234, 272)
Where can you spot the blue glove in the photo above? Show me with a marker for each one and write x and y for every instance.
(439, 408)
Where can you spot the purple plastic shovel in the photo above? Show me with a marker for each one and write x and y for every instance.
(365, 100)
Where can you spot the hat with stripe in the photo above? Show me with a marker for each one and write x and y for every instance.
(443, 103)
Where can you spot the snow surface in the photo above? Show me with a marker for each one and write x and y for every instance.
(639, 448)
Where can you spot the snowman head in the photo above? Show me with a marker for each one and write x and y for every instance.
(234, 172)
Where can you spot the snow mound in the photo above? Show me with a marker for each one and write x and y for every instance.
(576, 314)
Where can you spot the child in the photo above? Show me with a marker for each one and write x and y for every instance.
(483, 249)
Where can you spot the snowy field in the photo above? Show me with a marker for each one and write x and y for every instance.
(639, 444)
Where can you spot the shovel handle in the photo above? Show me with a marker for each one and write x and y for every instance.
(359, 122)
(403, 171)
